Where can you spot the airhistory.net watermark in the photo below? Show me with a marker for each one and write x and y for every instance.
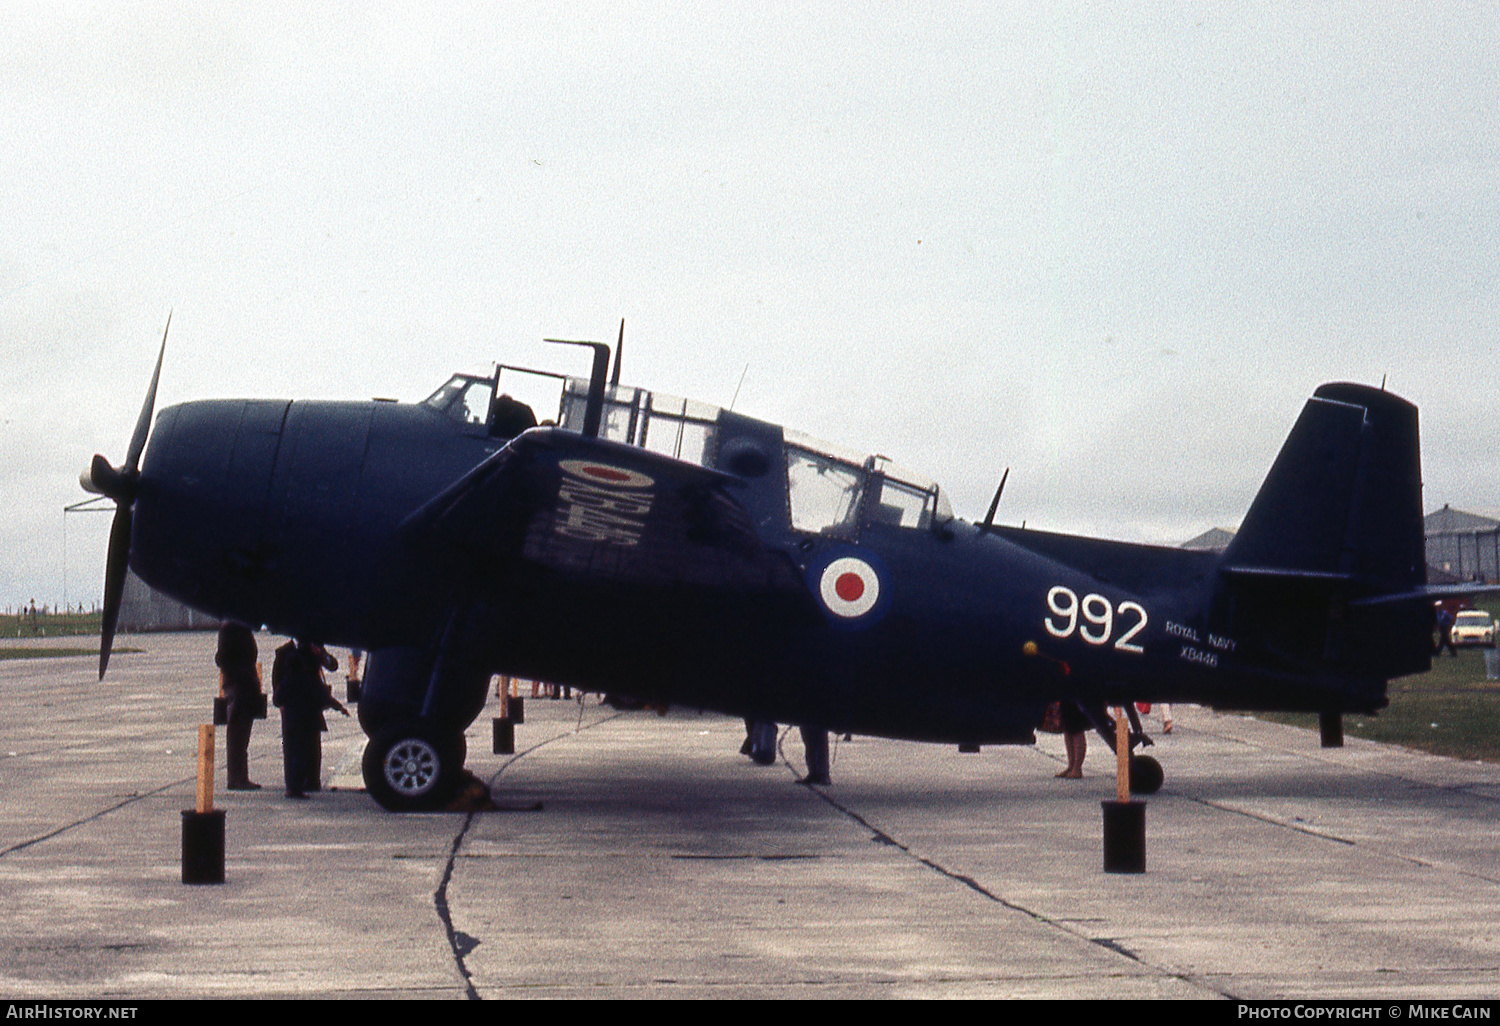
(67, 1010)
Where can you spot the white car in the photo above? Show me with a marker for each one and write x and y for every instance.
(1474, 627)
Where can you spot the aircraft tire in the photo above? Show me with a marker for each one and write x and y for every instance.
(414, 767)
(1146, 775)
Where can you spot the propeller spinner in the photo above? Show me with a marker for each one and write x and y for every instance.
(119, 483)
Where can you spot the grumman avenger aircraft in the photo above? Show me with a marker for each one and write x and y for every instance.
(681, 553)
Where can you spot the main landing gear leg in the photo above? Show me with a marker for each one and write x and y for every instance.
(760, 742)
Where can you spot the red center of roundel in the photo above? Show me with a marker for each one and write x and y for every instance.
(849, 587)
(606, 473)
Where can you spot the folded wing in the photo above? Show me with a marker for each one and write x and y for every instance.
(600, 511)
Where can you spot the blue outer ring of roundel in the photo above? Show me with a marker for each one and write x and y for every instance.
(851, 585)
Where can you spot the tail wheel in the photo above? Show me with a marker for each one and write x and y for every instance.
(414, 768)
(1146, 775)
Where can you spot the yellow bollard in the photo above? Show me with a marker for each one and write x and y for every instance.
(1122, 755)
(205, 768)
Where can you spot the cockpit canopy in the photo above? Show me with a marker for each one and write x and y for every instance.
(830, 490)
(464, 398)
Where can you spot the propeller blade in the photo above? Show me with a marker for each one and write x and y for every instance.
(115, 567)
(120, 485)
(143, 425)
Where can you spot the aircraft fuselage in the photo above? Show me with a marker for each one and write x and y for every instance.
(291, 514)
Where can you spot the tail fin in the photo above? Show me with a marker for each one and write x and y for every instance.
(1344, 498)
(1338, 519)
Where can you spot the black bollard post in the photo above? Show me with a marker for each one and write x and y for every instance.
(1331, 729)
(505, 736)
(202, 846)
(1124, 837)
(203, 826)
(1124, 820)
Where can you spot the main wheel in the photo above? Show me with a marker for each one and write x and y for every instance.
(414, 767)
(1146, 775)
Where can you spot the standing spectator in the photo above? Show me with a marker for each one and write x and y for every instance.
(1075, 739)
(298, 690)
(243, 698)
(1445, 632)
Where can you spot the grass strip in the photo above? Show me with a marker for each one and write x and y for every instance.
(14, 652)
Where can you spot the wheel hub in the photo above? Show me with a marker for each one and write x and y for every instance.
(412, 767)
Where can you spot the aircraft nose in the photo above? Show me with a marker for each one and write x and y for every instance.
(202, 498)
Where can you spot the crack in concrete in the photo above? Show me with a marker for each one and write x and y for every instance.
(879, 836)
(1261, 817)
(1333, 760)
(1465, 790)
(460, 943)
(21, 845)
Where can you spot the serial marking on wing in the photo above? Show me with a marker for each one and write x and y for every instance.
(600, 503)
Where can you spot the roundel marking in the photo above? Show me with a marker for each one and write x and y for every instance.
(603, 473)
(849, 587)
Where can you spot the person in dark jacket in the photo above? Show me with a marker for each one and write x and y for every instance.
(243, 698)
(298, 690)
(1445, 620)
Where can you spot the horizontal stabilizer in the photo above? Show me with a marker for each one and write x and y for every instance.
(1430, 593)
(1278, 573)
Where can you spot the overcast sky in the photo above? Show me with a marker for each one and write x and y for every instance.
(1113, 247)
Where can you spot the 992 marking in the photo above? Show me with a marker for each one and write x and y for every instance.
(1098, 618)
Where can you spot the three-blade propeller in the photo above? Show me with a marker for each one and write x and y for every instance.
(120, 484)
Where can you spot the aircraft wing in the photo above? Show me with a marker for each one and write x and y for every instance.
(602, 511)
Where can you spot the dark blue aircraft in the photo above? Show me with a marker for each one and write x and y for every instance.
(680, 553)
